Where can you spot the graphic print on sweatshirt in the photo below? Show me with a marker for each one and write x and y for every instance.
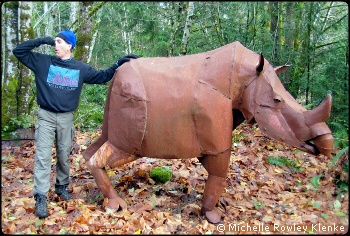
(63, 78)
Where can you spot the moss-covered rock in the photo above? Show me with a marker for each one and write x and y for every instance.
(161, 174)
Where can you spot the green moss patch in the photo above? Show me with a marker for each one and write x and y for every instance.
(161, 174)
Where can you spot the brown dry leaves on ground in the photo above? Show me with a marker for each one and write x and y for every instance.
(260, 198)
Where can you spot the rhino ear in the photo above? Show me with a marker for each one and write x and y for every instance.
(281, 69)
(260, 66)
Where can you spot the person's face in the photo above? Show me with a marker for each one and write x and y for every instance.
(62, 48)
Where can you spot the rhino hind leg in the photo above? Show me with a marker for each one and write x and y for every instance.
(107, 154)
(217, 167)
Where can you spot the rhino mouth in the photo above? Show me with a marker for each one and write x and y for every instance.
(322, 144)
(311, 148)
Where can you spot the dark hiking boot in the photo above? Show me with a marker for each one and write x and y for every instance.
(41, 206)
(62, 192)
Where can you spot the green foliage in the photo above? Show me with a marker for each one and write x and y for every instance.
(161, 174)
(292, 164)
(258, 204)
(95, 198)
(317, 205)
(341, 173)
(24, 122)
(341, 214)
(339, 154)
(315, 181)
(8, 102)
(89, 114)
(237, 135)
(342, 185)
(340, 134)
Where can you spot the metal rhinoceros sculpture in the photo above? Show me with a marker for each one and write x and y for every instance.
(188, 106)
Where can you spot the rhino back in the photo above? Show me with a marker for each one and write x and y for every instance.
(177, 107)
(169, 86)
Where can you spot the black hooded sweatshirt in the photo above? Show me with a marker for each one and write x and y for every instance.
(59, 82)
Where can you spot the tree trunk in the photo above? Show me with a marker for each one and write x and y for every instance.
(83, 30)
(93, 41)
(289, 35)
(274, 9)
(25, 79)
(123, 24)
(215, 15)
(309, 52)
(9, 15)
(9, 80)
(251, 28)
(49, 22)
(74, 10)
(188, 25)
(17, 78)
(175, 21)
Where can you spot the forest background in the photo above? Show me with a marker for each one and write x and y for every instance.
(310, 36)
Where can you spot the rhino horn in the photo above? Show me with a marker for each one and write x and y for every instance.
(320, 113)
(260, 66)
(315, 119)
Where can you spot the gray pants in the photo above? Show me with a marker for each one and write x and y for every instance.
(52, 126)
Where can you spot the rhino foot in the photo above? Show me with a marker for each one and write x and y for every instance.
(115, 203)
(213, 216)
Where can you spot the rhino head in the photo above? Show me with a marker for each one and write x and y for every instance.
(280, 116)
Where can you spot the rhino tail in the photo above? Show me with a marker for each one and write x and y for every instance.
(107, 154)
(92, 149)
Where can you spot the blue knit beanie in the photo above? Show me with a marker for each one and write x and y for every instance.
(68, 36)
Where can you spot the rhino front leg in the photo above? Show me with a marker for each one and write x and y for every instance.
(107, 154)
(217, 167)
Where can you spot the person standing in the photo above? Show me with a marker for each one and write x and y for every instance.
(59, 80)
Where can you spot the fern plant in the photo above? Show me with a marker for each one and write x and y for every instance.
(285, 162)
